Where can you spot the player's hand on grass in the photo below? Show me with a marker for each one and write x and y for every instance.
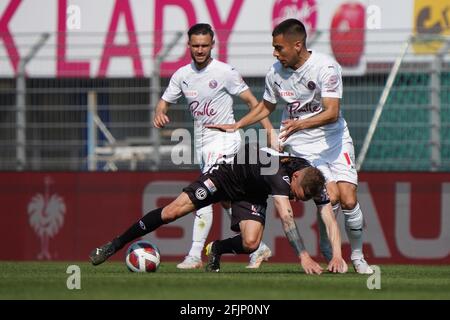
(289, 127)
(160, 120)
(223, 127)
(337, 265)
(309, 265)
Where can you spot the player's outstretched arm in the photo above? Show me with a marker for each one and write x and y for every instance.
(285, 211)
(261, 111)
(272, 136)
(337, 264)
(161, 118)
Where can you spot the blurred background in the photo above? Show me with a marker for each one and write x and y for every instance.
(79, 81)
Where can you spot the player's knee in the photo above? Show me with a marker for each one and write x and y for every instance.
(348, 204)
(169, 213)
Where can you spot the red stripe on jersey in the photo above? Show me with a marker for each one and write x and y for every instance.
(347, 157)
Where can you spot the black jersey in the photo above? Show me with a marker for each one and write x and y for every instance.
(256, 174)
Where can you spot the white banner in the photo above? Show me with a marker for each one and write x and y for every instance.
(106, 38)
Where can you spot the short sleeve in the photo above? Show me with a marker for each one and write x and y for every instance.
(173, 91)
(330, 81)
(269, 92)
(279, 185)
(323, 198)
(234, 83)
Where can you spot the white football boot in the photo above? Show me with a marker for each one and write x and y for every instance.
(256, 258)
(361, 266)
(190, 262)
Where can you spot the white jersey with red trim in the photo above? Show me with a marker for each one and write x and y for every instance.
(209, 96)
(301, 92)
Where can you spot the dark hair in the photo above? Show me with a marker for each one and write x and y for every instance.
(290, 27)
(313, 182)
(201, 28)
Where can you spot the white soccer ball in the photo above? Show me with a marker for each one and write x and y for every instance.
(142, 256)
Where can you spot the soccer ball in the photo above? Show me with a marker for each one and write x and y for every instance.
(142, 256)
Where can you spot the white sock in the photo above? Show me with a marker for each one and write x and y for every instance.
(228, 212)
(354, 230)
(336, 209)
(202, 225)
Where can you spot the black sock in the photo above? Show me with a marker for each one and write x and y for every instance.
(230, 245)
(147, 224)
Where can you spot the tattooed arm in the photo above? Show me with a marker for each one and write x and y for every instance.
(285, 211)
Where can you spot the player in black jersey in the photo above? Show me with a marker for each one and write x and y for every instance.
(246, 183)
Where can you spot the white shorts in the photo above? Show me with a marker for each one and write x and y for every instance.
(336, 164)
(220, 150)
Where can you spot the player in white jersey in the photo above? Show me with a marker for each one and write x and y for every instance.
(208, 86)
(309, 84)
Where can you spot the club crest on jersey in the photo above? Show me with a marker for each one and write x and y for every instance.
(201, 193)
(213, 84)
(311, 85)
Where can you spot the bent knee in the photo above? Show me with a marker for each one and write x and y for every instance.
(348, 204)
(170, 213)
(250, 245)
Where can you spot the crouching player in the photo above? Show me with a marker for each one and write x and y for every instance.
(246, 183)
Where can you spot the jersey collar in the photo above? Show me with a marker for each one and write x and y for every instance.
(304, 66)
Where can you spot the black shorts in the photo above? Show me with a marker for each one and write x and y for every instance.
(247, 210)
(206, 190)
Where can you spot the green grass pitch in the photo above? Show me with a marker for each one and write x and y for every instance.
(111, 280)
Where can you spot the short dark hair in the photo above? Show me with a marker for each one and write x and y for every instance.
(201, 28)
(290, 27)
(313, 182)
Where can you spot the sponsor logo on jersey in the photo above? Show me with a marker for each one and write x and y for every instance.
(210, 186)
(287, 180)
(201, 193)
(277, 84)
(191, 93)
(213, 84)
(295, 108)
(287, 93)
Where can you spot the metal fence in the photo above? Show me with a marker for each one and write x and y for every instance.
(46, 123)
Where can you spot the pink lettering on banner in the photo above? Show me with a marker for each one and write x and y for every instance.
(131, 49)
(66, 68)
(168, 67)
(223, 29)
(5, 34)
